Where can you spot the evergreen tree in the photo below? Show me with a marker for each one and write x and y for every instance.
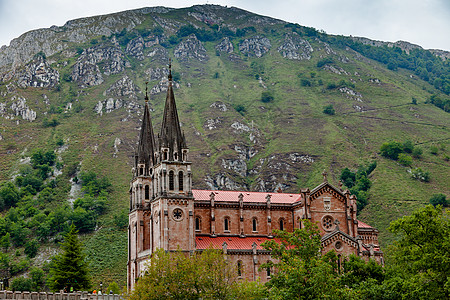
(69, 269)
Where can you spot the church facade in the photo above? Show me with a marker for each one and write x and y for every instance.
(165, 212)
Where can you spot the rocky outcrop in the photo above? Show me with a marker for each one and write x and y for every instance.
(219, 105)
(221, 181)
(159, 54)
(295, 47)
(86, 70)
(135, 48)
(190, 48)
(351, 94)
(37, 73)
(335, 69)
(162, 86)
(123, 89)
(255, 46)
(157, 73)
(225, 46)
(211, 124)
(20, 108)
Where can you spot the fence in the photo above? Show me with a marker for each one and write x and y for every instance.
(9, 295)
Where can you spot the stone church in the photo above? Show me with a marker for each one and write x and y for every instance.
(165, 212)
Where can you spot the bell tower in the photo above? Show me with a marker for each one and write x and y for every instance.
(173, 204)
(141, 193)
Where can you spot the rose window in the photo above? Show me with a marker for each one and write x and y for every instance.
(327, 222)
(177, 214)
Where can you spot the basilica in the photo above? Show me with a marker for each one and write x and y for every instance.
(165, 212)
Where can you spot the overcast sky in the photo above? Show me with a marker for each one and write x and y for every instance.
(422, 22)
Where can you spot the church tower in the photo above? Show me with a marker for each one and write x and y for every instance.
(173, 204)
(161, 201)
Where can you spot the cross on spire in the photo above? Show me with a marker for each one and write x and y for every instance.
(146, 91)
(170, 71)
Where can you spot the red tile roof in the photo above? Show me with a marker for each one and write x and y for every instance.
(363, 225)
(233, 243)
(232, 196)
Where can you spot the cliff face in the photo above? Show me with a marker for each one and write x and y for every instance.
(250, 91)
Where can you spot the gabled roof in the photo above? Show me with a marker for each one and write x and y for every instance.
(233, 243)
(323, 185)
(363, 225)
(252, 197)
(337, 232)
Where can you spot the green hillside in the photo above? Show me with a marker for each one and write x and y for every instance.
(251, 93)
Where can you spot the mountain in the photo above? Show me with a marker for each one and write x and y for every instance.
(264, 105)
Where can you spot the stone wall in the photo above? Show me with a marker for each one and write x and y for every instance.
(56, 296)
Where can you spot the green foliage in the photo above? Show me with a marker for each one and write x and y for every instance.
(305, 82)
(355, 271)
(267, 96)
(408, 146)
(302, 272)
(329, 110)
(19, 234)
(438, 199)
(434, 149)
(417, 152)
(240, 109)
(113, 288)
(31, 248)
(93, 185)
(421, 254)
(37, 279)
(69, 268)
(359, 183)
(9, 195)
(21, 284)
(53, 122)
(391, 149)
(420, 174)
(121, 219)
(405, 160)
(206, 275)
(324, 61)
(5, 242)
(439, 101)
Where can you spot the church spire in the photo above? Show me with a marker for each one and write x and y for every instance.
(171, 137)
(146, 148)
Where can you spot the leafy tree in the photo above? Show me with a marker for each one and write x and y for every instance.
(438, 199)
(355, 271)
(21, 284)
(9, 195)
(420, 174)
(69, 268)
(205, 275)
(302, 272)
(37, 279)
(19, 234)
(405, 160)
(421, 254)
(348, 177)
(114, 288)
(121, 219)
(408, 146)
(84, 220)
(5, 242)
(31, 248)
(391, 149)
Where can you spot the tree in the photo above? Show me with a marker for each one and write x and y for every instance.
(266, 97)
(206, 275)
(21, 284)
(113, 287)
(302, 272)
(405, 159)
(69, 268)
(31, 248)
(5, 242)
(421, 254)
(9, 195)
(391, 149)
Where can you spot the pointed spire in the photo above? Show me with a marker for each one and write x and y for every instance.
(171, 136)
(146, 147)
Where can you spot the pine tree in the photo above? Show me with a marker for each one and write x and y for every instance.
(69, 269)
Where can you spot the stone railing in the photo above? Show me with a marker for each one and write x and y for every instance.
(56, 296)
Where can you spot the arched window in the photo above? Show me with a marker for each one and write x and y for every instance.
(147, 192)
(171, 181)
(268, 269)
(281, 224)
(165, 155)
(197, 223)
(226, 224)
(141, 171)
(255, 223)
(239, 268)
(180, 181)
(175, 156)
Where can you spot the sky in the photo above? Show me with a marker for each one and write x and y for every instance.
(422, 22)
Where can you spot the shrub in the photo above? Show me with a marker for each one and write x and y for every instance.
(408, 146)
(21, 284)
(405, 160)
(266, 97)
(434, 150)
(391, 149)
(240, 109)
(438, 199)
(31, 248)
(417, 152)
(324, 61)
(329, 110)
(305, 82)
